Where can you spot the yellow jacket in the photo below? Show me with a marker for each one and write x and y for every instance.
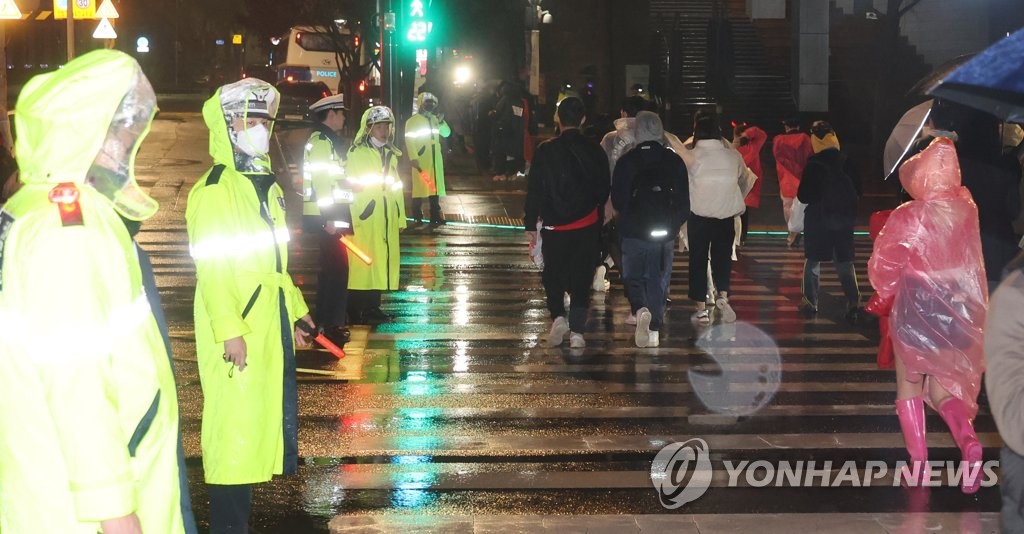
(423, 133)
(88, 407)
(243, 289)
(326, 193)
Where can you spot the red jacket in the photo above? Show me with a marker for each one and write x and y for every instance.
(751, 152)
(791, 152)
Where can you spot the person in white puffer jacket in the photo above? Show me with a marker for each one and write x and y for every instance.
(719, 180)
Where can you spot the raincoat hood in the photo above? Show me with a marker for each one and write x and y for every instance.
(934, 172)
(373, 116)
(84, 124)
(247, 98)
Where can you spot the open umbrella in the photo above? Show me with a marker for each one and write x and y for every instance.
(993, 81)
(903, 136)
(937, 75)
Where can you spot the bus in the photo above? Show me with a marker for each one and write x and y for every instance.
(306, 54)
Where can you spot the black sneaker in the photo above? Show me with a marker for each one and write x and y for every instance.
(375, 316)
(855, 316)
(339, 335)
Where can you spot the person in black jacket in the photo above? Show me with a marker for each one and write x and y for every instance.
(646, 252)
(830, 188)
(567, 187)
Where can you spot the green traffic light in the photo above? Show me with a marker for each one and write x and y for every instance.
(417, 24)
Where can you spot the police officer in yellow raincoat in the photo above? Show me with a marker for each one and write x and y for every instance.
(245, 305)
(325, 187)
(378, 214)
(88, 407)
(423, 133)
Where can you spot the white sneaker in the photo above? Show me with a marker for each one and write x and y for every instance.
(559, 328)
(654, 340)
(630, 319)
(599, 280)
(728, 314)
(576, 340)
(643, 322)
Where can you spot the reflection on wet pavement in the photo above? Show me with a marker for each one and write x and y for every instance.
(454, 418)
(455, 413)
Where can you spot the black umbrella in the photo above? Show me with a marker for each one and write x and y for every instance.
(993, 81)
(937, 75)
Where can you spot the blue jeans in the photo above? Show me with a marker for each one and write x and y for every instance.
(847, 278)
(646, 271)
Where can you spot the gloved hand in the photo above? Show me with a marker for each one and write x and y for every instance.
(879, 306)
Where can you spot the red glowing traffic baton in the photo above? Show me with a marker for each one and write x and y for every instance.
(321, 339)
(356, 250)
(426, 180)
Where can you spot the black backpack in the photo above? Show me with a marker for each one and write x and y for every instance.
(653, 202)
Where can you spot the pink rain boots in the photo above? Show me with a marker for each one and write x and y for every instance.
(911, 414)
(954, 413)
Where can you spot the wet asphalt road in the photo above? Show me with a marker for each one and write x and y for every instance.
(456, 410)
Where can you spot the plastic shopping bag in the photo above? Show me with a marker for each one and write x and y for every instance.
(536, 250)
(796, 219)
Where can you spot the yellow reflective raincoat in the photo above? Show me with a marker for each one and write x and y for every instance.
(423, 133)
(240, 246)
(378, 212)
(88, 407)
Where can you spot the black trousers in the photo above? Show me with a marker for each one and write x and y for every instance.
(709, 238)
(745, 220)
(362, 300)
(332, 285)
(435, 208)
(570, 258)
(230, 506)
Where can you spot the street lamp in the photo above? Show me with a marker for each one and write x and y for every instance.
(535, 16)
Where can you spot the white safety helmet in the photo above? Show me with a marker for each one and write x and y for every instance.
(379, 114)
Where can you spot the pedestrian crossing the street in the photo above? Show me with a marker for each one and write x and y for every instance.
(456, 418)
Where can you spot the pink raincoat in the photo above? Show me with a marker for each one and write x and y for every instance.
(927, 269)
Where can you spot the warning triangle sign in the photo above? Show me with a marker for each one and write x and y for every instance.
(104, 31)
(107, 11)
(8, 10)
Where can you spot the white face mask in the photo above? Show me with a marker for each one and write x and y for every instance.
(376, 143)
(254, 141)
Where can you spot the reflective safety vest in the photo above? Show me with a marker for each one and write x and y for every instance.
(378, 213)
(88, 406)
(325, 190)
(423, 135)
